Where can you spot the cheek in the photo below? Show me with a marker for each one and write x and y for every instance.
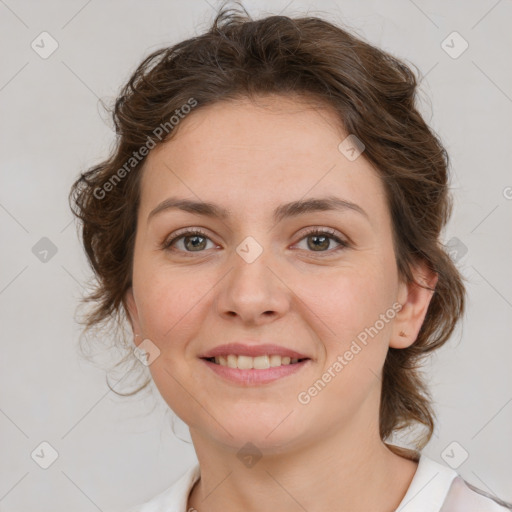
(167, 302)
(353, 314)
(349, 300)
(173, 302)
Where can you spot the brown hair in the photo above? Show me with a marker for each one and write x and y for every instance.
(373, 94)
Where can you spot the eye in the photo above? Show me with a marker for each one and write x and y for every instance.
(319, 240)
(196, 240)
(193, 241)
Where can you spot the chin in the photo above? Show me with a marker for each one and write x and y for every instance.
(269, 436)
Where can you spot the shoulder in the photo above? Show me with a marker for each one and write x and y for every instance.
(464, 497)
(174, 497)
(438, 488)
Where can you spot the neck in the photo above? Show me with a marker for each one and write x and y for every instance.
(339, 473)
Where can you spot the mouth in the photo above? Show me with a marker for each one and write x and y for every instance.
(254, 371)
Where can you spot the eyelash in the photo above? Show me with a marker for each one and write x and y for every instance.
(166, 245)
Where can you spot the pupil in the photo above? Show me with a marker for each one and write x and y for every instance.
(195, 243)
(323, 245)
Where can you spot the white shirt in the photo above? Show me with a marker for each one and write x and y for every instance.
(434, 488)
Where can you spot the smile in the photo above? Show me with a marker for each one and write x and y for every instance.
(254, 371)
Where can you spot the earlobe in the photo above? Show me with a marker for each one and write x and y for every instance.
(415, 300)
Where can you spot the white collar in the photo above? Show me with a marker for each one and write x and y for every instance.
(426, 493)
(428, 488)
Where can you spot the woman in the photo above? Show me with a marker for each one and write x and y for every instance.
(269, 224)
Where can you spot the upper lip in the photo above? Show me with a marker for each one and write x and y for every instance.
(241, 349)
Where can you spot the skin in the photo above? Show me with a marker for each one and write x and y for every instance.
(249, 157)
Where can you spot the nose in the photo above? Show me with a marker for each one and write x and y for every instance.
(253, 293)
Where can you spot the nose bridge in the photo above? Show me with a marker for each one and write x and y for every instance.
(252, 290)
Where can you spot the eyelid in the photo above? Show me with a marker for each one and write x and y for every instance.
(321, 229)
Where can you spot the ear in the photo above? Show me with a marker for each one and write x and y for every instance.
(133, 314)
(415, 301)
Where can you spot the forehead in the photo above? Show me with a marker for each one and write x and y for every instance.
(249, 156)
(272, 125)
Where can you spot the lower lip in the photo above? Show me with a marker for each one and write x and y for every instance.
(254, 377)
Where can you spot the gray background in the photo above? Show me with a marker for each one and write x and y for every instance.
(115, 452)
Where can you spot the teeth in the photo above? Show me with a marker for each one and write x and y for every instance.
(245, 363)
(275, 360)
(258, 363)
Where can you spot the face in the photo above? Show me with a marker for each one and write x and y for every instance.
(322, 282)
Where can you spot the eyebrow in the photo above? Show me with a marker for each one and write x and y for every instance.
(283, 211)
